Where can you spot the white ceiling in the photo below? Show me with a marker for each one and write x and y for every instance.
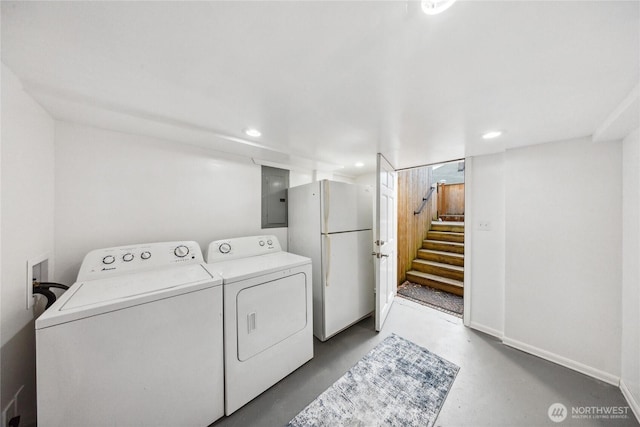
(330, 83)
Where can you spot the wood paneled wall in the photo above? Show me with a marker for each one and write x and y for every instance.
(451, 199)
(413, 185)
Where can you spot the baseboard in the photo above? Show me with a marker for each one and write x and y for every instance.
(631, 399)
(487, 330)
(563, 361)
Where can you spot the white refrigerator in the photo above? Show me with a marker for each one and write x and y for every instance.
(331, 223)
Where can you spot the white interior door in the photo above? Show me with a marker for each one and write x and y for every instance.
(385, 243)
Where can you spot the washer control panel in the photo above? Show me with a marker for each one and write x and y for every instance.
(242, 247)
(127, 259)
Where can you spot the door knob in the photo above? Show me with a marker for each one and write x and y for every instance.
(379, 255)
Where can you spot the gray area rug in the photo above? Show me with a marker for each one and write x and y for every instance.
(398, 383)
(434, 298)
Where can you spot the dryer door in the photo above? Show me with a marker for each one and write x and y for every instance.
(270, 312)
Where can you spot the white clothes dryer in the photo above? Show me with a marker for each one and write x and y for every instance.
(136, 341)
(268, 321)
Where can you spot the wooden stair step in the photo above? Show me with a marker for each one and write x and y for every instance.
(452, 218)
(443, 257)
(439, 269)
(448, 285)
(445, 236)
(437, 245)
(456, 227)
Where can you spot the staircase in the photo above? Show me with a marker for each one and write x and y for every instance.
(440, 262)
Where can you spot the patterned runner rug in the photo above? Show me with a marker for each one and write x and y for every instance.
(398, 383)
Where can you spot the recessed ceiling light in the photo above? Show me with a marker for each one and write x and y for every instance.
(253, 132)
(359, 164)
(492, 134)
(434, 7)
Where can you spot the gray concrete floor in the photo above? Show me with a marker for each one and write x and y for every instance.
(496, 385)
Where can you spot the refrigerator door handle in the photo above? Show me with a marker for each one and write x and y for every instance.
(327, 258)
(326, 205)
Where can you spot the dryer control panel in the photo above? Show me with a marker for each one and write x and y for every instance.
(242, 247)
(107, 262)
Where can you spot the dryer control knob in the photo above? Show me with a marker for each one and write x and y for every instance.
(109, 259)
(181, 251)
(145, 255)
(127, 257)
(224, 248)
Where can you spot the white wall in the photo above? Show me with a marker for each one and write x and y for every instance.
(299, 178)
(487, 204)
(116, 189)
(366, 179)
(563, 254)
(26, 229)
(2, 70)
(630, 369)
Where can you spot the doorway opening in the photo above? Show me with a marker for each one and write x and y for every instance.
(431, 209)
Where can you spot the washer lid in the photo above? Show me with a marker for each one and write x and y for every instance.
(247, 268)
(94, 297)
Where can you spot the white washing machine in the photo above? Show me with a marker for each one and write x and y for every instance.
(268, 321)
(136, 341)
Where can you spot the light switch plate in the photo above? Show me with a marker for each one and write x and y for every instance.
(484, 225)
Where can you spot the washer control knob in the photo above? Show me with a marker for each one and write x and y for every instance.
(261, 242)
(181, 251)
(225, 248)
(145, 255)
(109, 259)
(127, 257)
(269, 242)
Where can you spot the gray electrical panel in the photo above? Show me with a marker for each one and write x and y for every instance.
(275, 183)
